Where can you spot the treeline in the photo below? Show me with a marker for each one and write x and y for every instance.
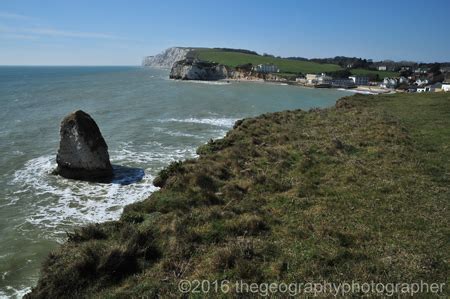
(345, 62)
(237, 50)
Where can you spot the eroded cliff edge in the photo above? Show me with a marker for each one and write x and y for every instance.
(167, 58)
(192, 69)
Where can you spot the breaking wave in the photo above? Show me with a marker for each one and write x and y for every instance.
(57, 204)
(219, 122)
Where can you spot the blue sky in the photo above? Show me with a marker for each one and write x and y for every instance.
(99, 32)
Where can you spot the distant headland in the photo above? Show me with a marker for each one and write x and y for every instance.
(190, 63)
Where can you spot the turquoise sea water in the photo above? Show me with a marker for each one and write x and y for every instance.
(147, 121)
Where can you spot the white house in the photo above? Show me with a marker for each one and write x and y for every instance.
(389, 83)
(266, 68)
(446, 86)
(382, 68)
(318, 79)
(424, 89)
(421, 82)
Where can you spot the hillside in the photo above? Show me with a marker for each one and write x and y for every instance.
(360, 191)
(285, 65)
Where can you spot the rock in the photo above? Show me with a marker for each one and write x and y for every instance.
(83, 153)
(189, 69)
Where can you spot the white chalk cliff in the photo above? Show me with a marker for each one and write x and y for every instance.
(167, 58)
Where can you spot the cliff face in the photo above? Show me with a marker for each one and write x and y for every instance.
(167, 58)
(199, 70)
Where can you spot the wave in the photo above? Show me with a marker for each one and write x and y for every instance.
(358, 91)
(219, 122)
(56, 204)
(12, 292)
(205, 82)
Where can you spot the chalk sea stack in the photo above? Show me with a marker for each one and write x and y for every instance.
(83, 153)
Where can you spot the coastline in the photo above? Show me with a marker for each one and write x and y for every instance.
(359, 89)
(210, 208)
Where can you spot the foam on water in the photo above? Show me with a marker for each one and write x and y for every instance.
(219, 122)
(63, 203)
(204, 82)
(14, 293)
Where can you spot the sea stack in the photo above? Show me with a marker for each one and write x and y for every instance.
(83, 153)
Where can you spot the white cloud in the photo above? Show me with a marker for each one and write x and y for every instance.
(65, 33)
(14, 16)
(18, 36)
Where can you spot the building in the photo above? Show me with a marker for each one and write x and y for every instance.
(446, 87)
(424, 89)
(266, 68)
(318, 79)
(342, 83)
(389, 83)
(436, 87)
(421, 70)
(359, 80)
(382, 68)
(421, 82)
(445, 69)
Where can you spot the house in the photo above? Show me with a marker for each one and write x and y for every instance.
(446, 87)
(359, 80)
(421, 70)
(382, 68)
(424, 88)
(266, 68)
(342, 83)
(324, 79)
(445, 69)
(318, 79)
(389, 83)
(421, 82)
(436, 87)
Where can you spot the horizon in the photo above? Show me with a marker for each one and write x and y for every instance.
(70, 34)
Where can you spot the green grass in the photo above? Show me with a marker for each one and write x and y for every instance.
(356, 192)
(233, 59)
(373, 73)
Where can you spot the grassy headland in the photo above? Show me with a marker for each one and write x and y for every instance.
(234, 59)
(360, 191)
(286, 66)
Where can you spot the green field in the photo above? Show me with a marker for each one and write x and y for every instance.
(358, 192)
(285, 65)
(373, 73)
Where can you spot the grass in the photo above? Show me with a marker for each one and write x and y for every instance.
(357, 192)
(233, 59)
(373, 73)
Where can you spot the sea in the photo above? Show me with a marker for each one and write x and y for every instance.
(147, 121)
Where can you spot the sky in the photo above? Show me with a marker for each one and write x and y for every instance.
(113, 32)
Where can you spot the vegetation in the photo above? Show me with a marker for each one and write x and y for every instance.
(357, 192)
(234, 59)
(374, 75)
